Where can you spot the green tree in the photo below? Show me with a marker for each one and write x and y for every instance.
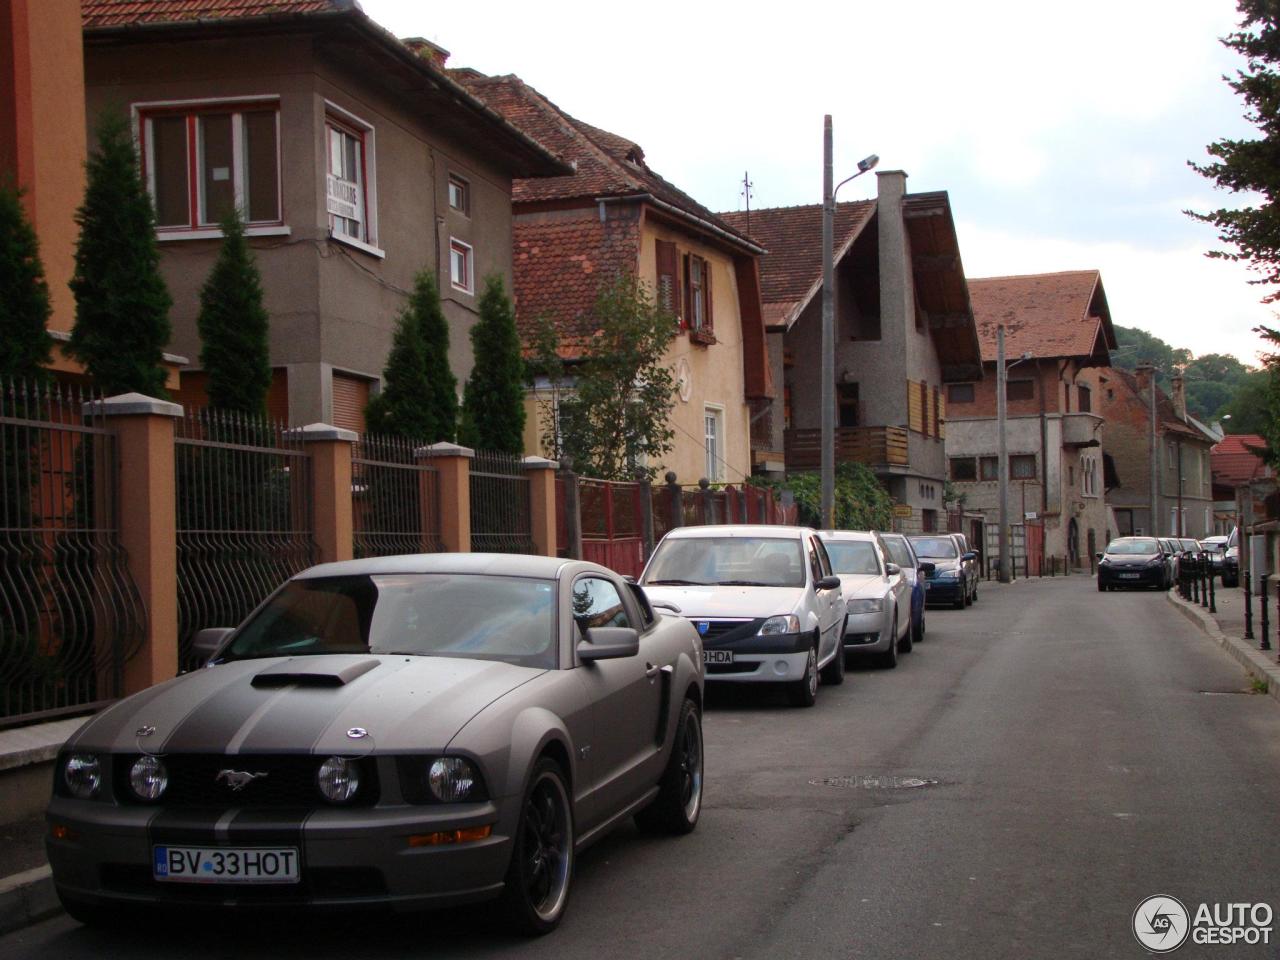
(862, 502)
(233, 327)
(493, 401)
(1251, 165)
(24, 296)
(1270, 398)
(122, 304)
(419, 398)
(1249, 410)
(610, 410)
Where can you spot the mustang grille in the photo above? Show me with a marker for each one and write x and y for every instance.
(290, 781)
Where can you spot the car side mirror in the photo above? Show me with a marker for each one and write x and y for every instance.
(969, 556)
(828, 583)
(926, 567)
(1097, 556)
(608, 643)
(207, 641)
(891, 569)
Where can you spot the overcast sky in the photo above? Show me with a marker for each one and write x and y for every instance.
(1060, 131)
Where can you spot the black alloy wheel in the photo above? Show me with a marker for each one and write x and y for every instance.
(541, 869)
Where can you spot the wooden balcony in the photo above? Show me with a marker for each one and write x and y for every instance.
(873, 446)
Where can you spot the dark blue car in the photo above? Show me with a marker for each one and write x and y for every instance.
(902, 553)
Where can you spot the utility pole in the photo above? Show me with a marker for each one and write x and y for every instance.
(1180, 531)
(746, 193)
(1002, 457)
(1155, 457)
(828, 369)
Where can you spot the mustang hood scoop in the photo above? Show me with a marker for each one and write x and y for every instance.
(327, 671)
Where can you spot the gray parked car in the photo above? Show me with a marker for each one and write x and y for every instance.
(407, 731)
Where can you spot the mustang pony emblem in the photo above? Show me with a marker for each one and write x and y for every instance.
(237, 780)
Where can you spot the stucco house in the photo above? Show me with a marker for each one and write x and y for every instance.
(355, 158)
(904, 329)
(614, 214)
(1061, 324)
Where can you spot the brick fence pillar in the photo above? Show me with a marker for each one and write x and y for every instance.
(148, 521)
(453, 467)
(542, 503)
(330, 450)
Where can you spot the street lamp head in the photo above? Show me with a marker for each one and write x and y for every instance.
(866, 163)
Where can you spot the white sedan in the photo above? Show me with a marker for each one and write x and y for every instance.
(877, 596)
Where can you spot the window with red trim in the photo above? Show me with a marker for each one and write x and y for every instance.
(202, 163)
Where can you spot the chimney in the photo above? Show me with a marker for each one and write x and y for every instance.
(1179, 396)
(1143, 372)
(427, 50)
(897, 292)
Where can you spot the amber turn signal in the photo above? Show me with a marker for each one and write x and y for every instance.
(60, 832)
(465, 835)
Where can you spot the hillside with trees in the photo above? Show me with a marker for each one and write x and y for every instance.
(1218, 385)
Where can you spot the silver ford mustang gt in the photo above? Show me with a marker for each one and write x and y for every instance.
(413, 731)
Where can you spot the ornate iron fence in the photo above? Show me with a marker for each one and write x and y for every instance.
(500, 517)
(396, 498)
(70, 613)
(244, 520)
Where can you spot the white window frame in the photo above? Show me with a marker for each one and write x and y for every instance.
(465, 184)
(713, 441)
(470, 287)
(143, 111)
(341, 117)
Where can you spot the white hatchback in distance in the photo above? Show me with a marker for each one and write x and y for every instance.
(877, 596)
(763, 599)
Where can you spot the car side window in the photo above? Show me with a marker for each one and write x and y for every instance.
(596, 603)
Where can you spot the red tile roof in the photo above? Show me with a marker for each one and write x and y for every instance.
(1239, 459)
(608, 165)
(110, 13)
(792, 270)
(559, 267)
(1044, 314)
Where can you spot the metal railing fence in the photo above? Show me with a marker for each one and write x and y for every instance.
(500, 512)
(396, 498)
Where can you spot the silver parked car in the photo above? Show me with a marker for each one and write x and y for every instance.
(763, 598)
(877, 596)
(407, 731)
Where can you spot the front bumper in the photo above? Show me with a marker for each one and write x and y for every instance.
(1109, 576)
(943, 591)
(349, 858)
(776, 659)
(866, 633)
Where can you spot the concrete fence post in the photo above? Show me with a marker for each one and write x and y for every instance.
(542, 503)
(148, 524)
(572, 512)
(644, 490)
(675, 500)
(330, 450)
(453, 467)
(708, 501)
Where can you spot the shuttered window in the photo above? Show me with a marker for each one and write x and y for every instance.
(350, 395)
(668, 287)
(942, 414)
(915, 407)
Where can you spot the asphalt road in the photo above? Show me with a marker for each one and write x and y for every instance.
(1089, 750)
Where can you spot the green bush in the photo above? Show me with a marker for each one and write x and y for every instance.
(862, 503)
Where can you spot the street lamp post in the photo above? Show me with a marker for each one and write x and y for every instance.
(1002, 453)
(828, 371)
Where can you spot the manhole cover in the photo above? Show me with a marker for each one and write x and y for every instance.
(874, 782)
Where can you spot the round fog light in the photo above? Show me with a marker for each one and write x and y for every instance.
(338, 779)
(148, 778)
(780, 668)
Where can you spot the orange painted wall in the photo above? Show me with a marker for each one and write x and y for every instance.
(42, 129)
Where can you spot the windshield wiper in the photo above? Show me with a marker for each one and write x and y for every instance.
(677, 583)
(742, 583)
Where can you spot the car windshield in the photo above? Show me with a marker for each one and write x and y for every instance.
(852, 556)
(1214, 546)
(1126, 548)
(1189, 545)
(744, 561)
(426, 615)
(944, 548)
(899, 553)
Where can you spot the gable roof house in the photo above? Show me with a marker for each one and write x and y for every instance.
(1184, 502)
(615, 215)
(355, 158)
(1239, 465)
(904, 328)
(1061, 324)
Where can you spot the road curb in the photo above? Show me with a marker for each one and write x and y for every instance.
(1256, 662)
(26, 898)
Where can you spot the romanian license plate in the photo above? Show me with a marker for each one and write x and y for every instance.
(225, 864)
(1130, 576)
(717, 656)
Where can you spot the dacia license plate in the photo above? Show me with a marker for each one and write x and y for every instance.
(717, 656)
(225, 864)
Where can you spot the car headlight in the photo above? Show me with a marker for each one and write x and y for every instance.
(1155, 561)
(82, 773)
(947, 575)
(338, 779)
(777, 626)
(148, 778)
(453, 780)
(864, 606)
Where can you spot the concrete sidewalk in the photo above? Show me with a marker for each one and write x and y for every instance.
(1226, 627)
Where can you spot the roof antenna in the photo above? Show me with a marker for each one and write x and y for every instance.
(746, 192)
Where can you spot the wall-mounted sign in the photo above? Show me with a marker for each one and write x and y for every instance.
(902, 510)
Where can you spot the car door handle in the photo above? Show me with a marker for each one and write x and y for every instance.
(651, 671)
